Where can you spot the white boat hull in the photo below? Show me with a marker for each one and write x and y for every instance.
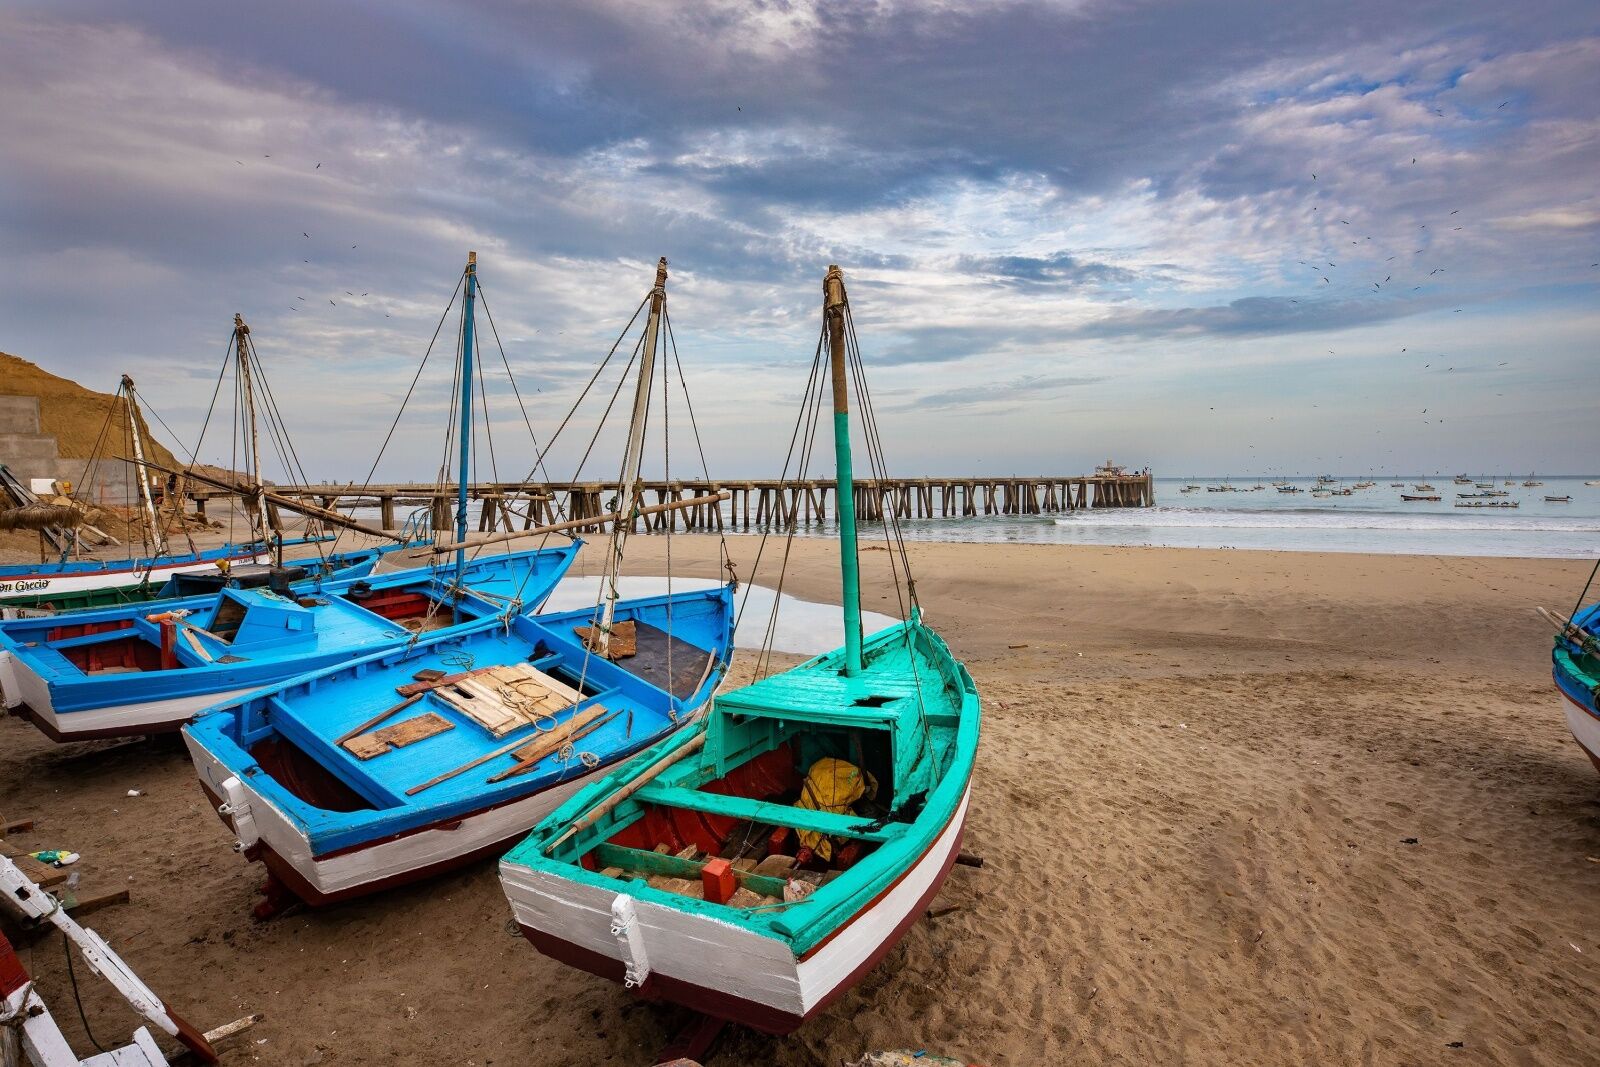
(1584, 726)
(45, 584)
(24, 691)
(265, 833)
(717, 967)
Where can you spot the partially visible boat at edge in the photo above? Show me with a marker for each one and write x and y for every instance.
(1575, 667)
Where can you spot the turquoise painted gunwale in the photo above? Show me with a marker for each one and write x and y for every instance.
(952, 705)
(1576, 672)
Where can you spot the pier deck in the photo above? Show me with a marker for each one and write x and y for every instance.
(751, 503)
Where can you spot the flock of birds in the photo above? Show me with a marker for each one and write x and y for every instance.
(306, 260)
(1399, 269)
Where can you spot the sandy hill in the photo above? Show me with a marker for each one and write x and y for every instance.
(72, 414)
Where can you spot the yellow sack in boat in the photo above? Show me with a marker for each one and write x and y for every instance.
(832, 785)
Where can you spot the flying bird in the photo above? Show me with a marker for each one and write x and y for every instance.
(1457, 210)
(317, 167)
(304, 234)
(331, 302)
(1503, 103)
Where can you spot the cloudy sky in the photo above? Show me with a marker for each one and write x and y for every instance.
(1212, 236)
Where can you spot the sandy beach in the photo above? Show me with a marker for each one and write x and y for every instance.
(1236, 807)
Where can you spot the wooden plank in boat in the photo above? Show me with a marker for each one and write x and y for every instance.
(401, 734)
(658, 866)
(542, 746)
(508, 697)
(623, 643)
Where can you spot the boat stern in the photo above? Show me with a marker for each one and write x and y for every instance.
(720, 968)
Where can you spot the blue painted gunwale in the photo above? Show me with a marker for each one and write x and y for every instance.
(363, 632)
(132, 566)
(332, 568)
(313, 710)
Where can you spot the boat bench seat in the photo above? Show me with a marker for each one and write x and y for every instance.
(761, 811)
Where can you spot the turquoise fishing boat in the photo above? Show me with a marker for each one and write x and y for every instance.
(757, 867)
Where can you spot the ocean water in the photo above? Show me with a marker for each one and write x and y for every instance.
(1369, 520)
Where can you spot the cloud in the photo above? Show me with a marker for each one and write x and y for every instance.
(1021, 192)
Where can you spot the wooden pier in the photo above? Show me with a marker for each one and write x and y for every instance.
(508, 506)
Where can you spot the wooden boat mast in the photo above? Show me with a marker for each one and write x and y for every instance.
(140, 475)
(241, 344)
(834, 305)
(466, 425)
(628, 489)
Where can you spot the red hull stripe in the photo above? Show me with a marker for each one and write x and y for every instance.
(290, 877)
(54, 733)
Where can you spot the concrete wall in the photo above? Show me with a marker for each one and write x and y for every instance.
(31, 454)
(19, 414)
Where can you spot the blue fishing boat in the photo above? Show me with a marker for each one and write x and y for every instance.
(146, 668)
(408, 762)
(353, 780)
(132, 670)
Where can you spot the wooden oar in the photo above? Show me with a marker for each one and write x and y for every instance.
(465, 767)
(593, 815)
(376, 719)
(552, 744)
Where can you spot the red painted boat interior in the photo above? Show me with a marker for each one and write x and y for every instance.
(131, 653)
(397, 605)
(769, 776)
(84, 629)
(775, 776)
(305, 777)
